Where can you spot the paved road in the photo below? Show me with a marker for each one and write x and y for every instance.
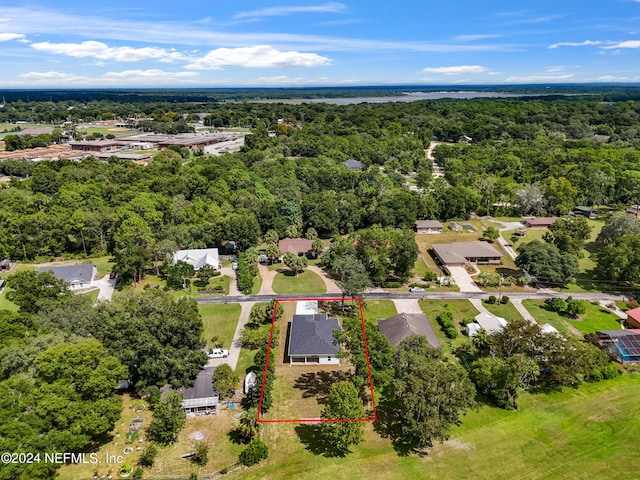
(426, 295)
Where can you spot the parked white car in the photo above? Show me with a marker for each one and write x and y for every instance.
(218, 353)
(417, 290)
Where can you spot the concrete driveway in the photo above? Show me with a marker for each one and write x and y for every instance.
(462, 279)
(106, 286)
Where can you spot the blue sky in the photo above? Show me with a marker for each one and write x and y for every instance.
(250, 43)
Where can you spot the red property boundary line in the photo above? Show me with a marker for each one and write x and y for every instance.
(366, 351)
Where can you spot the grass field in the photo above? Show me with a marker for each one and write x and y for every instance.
(375, 309)
(580, 433)
(508, 311)
(93, 295)
(257, 284)
(219, 320)
(462, 310)
(596, 318)
(305, 282)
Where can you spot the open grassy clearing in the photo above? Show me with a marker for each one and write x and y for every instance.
(508, 311)
(375, 309)
(573, 434)
(6, 304)
(596, 318)
(462, 310)
(219, 320)
(93, 295)
(305, 282)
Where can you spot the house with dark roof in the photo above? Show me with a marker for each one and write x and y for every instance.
(428, 226)
(352, 164)
(539, 222)
(461, 253)
(299, 246)
(403, 325)
(202, 397)
(77, 276)
(311, 340)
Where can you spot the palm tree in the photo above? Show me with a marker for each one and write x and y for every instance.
(249, 425)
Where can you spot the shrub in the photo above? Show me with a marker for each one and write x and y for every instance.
(421, 285)
(451, 332)
(610, 371)
(430, 276)
(201, 456)
(391, 285)
(504, 300)
(137, 474)
(148, 456)
(254, 453)
(594, 376)
(555, 304)
(491, 300)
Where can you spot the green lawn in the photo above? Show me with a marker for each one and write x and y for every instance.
(219, 320)
(596, 318)
(375, 309)
(582, 433)
(93, 295)
(508, 311)
(103, 264)
(462, 310)
(245, 361)
(257, 284)
(305, 282)
(7, 304)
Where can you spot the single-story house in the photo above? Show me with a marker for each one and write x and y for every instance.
(428, 226)
(461, 253)
(5, 264)
(633, 318)
(352, 164)
(403, 325)
(77, 276)
(202, 397)
(539, 222)
(633, 210)
(198, 257)
(299, 246)
(95, 146)
(624, 344)
(489, 323)
(588, 212)
(311, 340)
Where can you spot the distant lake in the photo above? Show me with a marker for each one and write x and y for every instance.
(407, 97)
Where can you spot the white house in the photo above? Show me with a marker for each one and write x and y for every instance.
(489, 323)
(198, 257)
(77, 276)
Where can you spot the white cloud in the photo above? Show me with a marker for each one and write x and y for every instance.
(102, 51)
(280, 79)
(151, 77)
(626, 44)
(258, 56)
(473, 37)
(539, 78)
(555, 69)
(5, 37)
(330, 7)
(459, 70)
(576, 44)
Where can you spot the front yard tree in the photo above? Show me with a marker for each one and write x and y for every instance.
(618, 226)
(343, 402)
(620, 261)
(225, 381)
(295, 263)
(491, 234)
(29, 289)
(569, 234)
(272, 252)
(317, 247)
(351, 276)
(168, 418)
(427, 397)
(545, 262)
(502, 378)
(575, 308)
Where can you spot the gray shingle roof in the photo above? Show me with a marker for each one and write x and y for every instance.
(403, 325)
(202, 389)
(428, 224)
(457, 252)
(313, 335)
(72, 273)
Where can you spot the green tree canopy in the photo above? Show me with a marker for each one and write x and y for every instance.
(545, 262)
(343, 402)
(29, 289)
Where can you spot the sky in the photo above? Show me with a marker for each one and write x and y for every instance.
(306, 43)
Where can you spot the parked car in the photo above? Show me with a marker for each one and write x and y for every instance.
(234, 265)
(112, 275)
(417, 290)
(218, 353)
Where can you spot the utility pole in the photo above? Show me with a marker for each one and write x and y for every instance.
(500, 295)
